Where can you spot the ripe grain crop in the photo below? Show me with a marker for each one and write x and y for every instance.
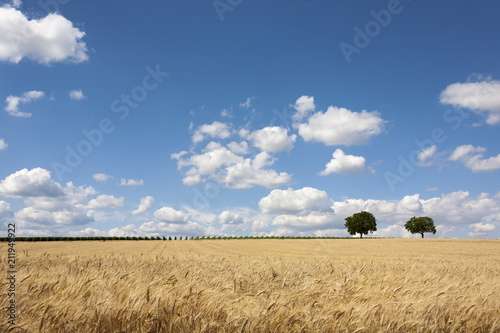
(317, 285)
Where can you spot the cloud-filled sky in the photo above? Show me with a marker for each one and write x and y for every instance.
(249, 117)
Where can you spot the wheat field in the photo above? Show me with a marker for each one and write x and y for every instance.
(315, 285)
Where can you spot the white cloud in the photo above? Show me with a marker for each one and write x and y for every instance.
(144, 205)
(272, 139)
(313, 220)
(219, 163)
(426, 156)
(481, 97)
(101, 177)
(13, 102)
(432, 189)
(214, 130)
(5, 211)
(304, 105)
(250, 172)
(52, 38)
(3, 144)
(292, 201)
(170, 215)
(344, 164)
(480, 230)
(247, 104)
(161, 228)
(238, 148)
(105, 202)
(232, 218)
(339, 126)
(472, 158)
(76, 95)
(30, 183)
(393, 231)
(131, 182)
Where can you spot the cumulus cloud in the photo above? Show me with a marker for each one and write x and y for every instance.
(76, 95)
(472, 158)
(52, 38)
(131, 182)
(252, 172)
(30, 183)
(102, 177)
(5, 211)
(105, 202)
(13, 102)
(344, 164)
(3, 144)
(272, 139)
(238, 148)
(144, 205)
(170, 215)
(426, 157)
(304, 105)
(480, 230)
(292, 201)
(481, 97)
(234, 171)
(214, 130)
(339, 126)
(229, 217)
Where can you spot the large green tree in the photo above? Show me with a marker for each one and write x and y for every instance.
(361, 223)
(420, 225)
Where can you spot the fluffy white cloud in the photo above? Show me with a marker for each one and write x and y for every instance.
(304, 105)
(101, 177)
(30, 183)
(165, 229)
(250, 172)
(46, 40)
(472, 158)
(13, 102)
(292, 201)
(3, 144)
(76, 95)
(219, 163)
(480, 230)
(344, 164)
(214, 130)
(105, 202)
(238, 148)
(481, 97)
(229, 217)
(426, 156)
(144, 205)
(5, 211)
(170, 215)
(31, 218)
(308, 222)
(339, 126)
(273, 139)
(131, 182)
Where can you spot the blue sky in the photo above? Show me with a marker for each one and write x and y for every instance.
(249, 117)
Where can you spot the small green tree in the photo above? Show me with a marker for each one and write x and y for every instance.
(419, 225)
(361, 223)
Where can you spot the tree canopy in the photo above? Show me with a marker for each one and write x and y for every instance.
(420, 225)
(361, 223)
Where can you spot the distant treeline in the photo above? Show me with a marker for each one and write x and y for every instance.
(169, 238)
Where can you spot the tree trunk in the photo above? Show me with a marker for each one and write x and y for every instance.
(361, 234)
(422, 235)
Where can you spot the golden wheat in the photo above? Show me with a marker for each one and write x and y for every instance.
(318, 285)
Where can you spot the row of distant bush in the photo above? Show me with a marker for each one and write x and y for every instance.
(169, 238)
